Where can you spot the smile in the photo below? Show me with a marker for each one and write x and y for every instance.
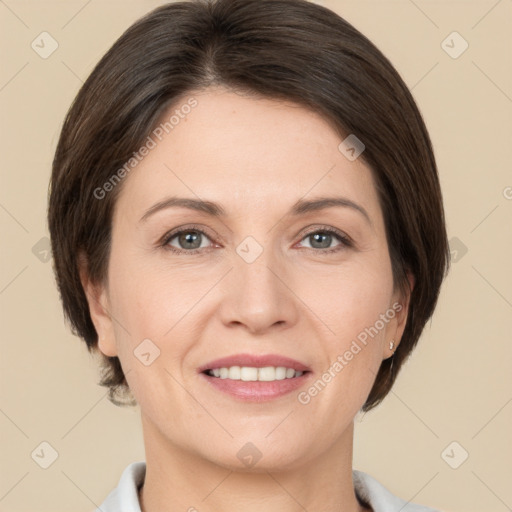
(249, 373)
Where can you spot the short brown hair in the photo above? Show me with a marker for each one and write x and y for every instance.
(280, 49)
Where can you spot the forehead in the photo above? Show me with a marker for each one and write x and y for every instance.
(246, 153)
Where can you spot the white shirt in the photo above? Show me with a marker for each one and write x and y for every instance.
(124, 498)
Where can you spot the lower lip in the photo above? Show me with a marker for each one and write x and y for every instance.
(257, 391)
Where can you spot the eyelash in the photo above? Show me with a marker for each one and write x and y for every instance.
(344, 239)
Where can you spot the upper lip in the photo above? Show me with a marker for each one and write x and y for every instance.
(256, 361)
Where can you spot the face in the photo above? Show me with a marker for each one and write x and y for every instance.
(187, 287)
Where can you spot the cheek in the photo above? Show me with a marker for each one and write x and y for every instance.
(350, 298)
(147, 298)
(352, 305)
(148, 307)
(159, 305)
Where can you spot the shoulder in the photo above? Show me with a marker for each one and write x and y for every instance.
(381, 499)
(125, 497)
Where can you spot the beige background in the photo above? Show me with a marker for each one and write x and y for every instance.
(457, 385)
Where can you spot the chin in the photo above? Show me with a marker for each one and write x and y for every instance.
(258, 455)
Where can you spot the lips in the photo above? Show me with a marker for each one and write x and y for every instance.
(249, 390)
(255, 361)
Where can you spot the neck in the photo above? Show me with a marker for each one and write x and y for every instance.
(180, 479)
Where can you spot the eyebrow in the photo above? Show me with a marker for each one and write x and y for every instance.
(301, 207)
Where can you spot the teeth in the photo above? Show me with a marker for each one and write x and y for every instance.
(247, 373)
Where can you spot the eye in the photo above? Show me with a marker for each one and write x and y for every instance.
(322, 238)
(189, 240)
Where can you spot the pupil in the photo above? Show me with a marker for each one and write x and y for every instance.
(318, 235)
(189, 238)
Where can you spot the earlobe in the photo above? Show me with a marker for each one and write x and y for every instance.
(99, 310)
(107, 346)
(100, 314)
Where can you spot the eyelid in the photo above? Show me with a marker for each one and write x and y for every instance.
(345, 240)
(328, 229)
(187, 227)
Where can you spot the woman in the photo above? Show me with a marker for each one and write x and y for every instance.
(247, 225)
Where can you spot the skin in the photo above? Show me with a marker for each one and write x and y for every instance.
(256, 157)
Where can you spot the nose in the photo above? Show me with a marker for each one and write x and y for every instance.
(258, 294)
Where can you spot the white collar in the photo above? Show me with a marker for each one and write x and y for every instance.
(124, 498)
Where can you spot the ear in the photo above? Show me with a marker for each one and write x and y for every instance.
(99, 309)
(400, 305)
